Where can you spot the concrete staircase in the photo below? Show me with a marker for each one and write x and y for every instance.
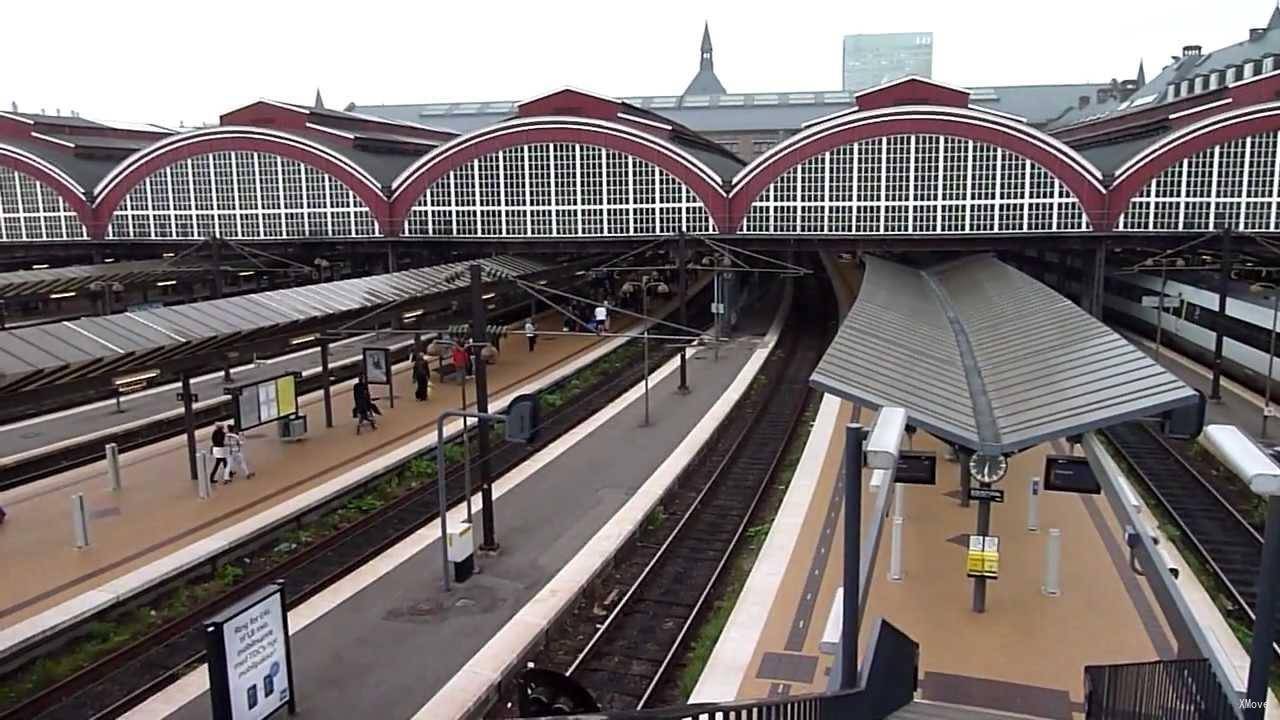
(926, 710)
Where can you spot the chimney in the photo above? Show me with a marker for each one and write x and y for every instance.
(1256, 33)
(1190, 51)
(1083, 102)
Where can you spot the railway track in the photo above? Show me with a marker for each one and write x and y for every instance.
(634, 651)
(111, 686)
(1230, 547)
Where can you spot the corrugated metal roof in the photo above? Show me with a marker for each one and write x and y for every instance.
(53, 280)
(42, 355)
(985, 357)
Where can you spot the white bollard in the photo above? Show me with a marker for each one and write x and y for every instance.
(899, 501)
(203, 487)
(895, 556)
(79, 521)
(1033, 506)
(1052, 560)
(113, 465)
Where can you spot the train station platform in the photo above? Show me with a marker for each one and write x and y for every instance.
(157, 513)
(389, 642)
(1026, 654)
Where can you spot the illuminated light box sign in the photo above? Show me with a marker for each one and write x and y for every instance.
(265, 401)
(250, 663)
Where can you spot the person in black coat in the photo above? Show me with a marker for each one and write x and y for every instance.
(364, 410)
(421, 376)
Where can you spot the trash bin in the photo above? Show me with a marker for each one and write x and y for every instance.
(293, 428)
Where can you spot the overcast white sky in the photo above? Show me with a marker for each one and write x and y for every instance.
(165, 62)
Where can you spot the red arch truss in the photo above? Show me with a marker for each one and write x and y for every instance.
(48, 174)
(700, 179)
(113, 188)
(1141, 169)
(1063, 163)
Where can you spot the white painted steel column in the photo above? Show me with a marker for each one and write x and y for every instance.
(895, 557)
(204, 487)
(899, 502)
(1033, 506)
(79, 521)
(113, 465)
(1052, 562)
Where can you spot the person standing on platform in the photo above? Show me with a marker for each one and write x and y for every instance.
(459, 357)
(219, 441)
(602, 318)
(531, 333)
(364, 409)
(235, 455)
(421, 376)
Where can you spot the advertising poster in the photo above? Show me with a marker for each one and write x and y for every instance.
(254, 656)
(286, 396)
(247, 402)
(375, 365)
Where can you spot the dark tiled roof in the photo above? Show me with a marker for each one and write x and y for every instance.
(384, 167)
(1108, 158)
(705, 83)
(85, 171)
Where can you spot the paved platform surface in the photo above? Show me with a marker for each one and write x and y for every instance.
(158, 511)
(1027, 652)
(36, 433)
(388, 649)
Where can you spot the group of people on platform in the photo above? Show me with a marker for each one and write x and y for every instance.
(228, 455)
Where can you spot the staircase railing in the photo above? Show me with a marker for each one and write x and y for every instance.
(1159, 690)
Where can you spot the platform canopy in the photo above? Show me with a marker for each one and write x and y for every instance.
(983, 356)
(111, 345)
(29, 283)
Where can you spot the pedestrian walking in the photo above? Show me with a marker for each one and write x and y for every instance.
(459, 358)
(235, 455)
(531, 333)
(219, 441)
(421, 376)
(363, 410)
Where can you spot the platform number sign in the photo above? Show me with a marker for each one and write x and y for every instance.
(250, 663)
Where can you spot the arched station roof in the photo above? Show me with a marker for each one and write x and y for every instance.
(1249, 135)
(919, 107)
(47, 175)
(574, 117)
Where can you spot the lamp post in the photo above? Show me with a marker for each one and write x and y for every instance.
(1235, 450)
(646, 282)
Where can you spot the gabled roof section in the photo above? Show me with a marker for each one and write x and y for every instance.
(911, 90)
(983, 356)
(580, 103)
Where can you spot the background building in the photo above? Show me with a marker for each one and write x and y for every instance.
(871, 60)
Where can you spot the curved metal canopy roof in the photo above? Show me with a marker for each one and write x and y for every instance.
(43, 355)
(983, 356)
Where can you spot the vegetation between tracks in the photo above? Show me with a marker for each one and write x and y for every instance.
(120, 628)
(1237, 617)
(710, 629)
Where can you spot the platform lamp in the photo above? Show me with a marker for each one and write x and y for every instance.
(1239, 454)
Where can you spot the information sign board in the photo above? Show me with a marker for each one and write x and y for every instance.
(975, 564)
(990, 557)
(263, 401)
(991, 494)
(1070, 473)
(916, 468)
(250, 664)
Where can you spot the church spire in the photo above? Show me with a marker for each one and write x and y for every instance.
(1142, 75)
(1275, 18)
(319, 103)
(706, 63)
(705, 82)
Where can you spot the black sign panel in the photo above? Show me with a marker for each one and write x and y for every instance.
(991, 494)
(1070, 473)
(916, 468)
